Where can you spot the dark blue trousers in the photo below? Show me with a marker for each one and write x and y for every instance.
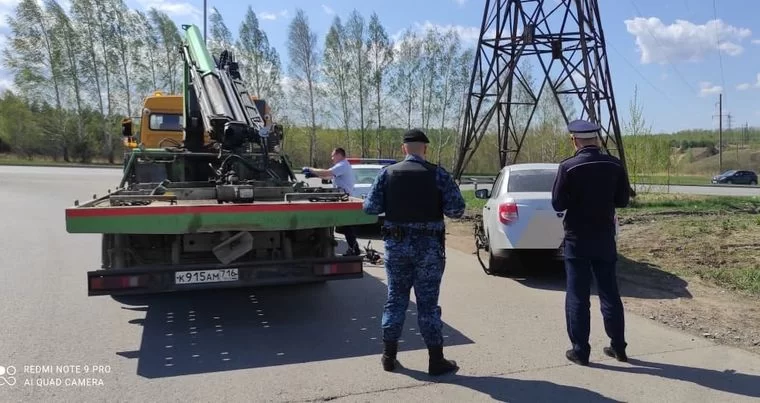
(582, 261)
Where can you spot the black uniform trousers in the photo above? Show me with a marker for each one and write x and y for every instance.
(585, 258)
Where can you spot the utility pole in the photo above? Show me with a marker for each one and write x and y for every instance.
(205, 10)
(730, 135)
(720, 133)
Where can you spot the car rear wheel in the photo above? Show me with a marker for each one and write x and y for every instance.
(496, 264)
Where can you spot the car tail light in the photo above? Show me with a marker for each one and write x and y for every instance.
(507, 212)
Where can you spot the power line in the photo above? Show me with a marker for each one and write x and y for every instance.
(639, 14)
(717, 44)
(656, 88)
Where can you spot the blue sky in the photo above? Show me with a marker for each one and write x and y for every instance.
(678, 72)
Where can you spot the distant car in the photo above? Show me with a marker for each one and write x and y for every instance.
(736, 177)
(365, 172)
(518, 216)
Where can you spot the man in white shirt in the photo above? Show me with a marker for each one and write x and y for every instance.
(342, 176)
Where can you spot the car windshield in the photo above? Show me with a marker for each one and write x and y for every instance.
(531, 180)
(731, 172)
(365, 175)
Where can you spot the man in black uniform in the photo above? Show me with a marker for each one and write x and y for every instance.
(588, 187)
(415, 195)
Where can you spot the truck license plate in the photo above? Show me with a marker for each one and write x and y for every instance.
(205, 276)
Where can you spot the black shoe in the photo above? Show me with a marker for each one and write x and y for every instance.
(573, 356)
(618, 355)
(438, 365)
(389, 356)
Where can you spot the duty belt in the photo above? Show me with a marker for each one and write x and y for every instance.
(400, 232)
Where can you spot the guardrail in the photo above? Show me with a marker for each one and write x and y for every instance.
(475, 180)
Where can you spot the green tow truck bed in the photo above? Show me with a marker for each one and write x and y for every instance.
(171, 243)
(170, 216)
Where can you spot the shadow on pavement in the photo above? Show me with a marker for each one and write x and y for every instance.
(513, 390)
(727, 381)
(636, 279)
(220, 330)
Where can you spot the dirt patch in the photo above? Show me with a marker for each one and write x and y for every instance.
(694, 272)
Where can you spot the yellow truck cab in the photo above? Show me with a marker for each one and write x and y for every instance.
(161, 122)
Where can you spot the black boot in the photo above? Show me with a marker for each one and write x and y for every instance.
(437, 364)
(389, 355)
(619, 355)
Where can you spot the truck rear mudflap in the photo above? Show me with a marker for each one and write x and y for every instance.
(170, 278)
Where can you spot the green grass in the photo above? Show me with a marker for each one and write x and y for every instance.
(693, 203)
(719, 248)
(474, 206)
(664, 179)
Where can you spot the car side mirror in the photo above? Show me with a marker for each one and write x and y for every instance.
(482, 194)
(326, 181)
(126, 127)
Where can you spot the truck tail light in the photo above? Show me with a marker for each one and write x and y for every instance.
(507, 212)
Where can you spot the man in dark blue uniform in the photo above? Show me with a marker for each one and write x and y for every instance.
(588, 187)
(414, 195)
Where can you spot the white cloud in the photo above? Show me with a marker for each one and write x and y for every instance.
(468, 34)
(328, 10)
(173, 8)
(684, 40)
(460, 2)
(756, 41)
(265, 15)
(5, 84)
(707, 88)
(746, 86)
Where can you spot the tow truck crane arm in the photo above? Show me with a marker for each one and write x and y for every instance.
(224, 105)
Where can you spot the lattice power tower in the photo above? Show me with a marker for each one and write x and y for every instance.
(565, 38)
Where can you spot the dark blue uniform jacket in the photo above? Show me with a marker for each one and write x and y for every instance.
(588, 187)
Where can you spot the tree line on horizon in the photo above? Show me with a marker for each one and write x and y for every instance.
(78, 71)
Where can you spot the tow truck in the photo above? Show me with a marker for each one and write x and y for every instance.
(222, 207)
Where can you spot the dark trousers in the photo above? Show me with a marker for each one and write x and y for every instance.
(579, 271)
(414, 263)
(350, 235)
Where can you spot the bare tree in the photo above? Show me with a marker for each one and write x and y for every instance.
(357, 45)
(404, 71)
(380, 59)
(304, 69)
(336, 66)
(219, 36)
(170, 41)
(260, 61)
(449, 86)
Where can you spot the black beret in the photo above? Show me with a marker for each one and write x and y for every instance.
(415, 136)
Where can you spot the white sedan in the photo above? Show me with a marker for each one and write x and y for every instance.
(518, 216)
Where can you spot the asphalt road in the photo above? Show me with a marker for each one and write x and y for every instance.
(309, 342)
